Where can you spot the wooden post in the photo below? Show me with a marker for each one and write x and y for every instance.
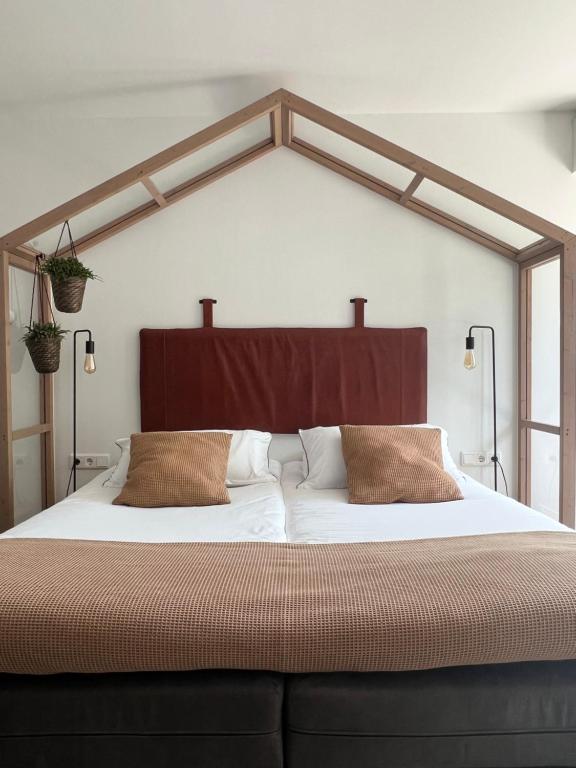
(47, 414)
(6, 476)
(568, 384)
(524, 382)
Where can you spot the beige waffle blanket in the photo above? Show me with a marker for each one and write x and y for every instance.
(86, 606)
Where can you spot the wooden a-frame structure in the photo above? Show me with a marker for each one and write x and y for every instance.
(551, 242)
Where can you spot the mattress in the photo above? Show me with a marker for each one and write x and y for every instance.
(325, 517)
(256, 513)
(280, 512)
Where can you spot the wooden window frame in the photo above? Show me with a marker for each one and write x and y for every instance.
(45, 429)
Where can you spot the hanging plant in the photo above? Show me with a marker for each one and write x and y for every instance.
(68, 276)
(43, 341)
(43, 338)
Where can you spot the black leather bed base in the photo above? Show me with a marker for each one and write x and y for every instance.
(506, 716)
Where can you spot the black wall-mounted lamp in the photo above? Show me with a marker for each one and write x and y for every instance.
(89, 367)
(469, 364)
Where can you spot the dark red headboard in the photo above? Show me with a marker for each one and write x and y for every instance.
(281, 379)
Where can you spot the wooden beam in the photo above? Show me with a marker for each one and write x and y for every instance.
(135, 174)
(536, 249)
(6, 475)
(172, 196)
(568, 384)
(154, 191)
(20, 262)
(429, 170)
(462, 228)
(539, 426)
(411, 188)
(524, 383)
(47, 415)
(276, 126)
(37, 429)
(392, 193)
(287, 125)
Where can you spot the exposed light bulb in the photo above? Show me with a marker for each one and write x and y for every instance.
(89, 363)
(469, 360)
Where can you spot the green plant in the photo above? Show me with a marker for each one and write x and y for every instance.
(38, 331)
(61, 269)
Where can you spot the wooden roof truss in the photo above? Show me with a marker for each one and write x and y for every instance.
(282, 107)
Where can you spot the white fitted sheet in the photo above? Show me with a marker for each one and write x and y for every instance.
(256, 513)
(325, 517)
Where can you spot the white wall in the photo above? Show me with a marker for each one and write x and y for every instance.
(284, 242)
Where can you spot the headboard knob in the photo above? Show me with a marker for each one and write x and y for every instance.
(207, 311)
(358, 311)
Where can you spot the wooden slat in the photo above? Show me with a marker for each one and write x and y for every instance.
(133, 175)
(568, 383)
(37, 429)
(154, 191)
(538, 248)
(540, 258)
(461, 227)
(47, 416)
(411, 188)
(6, 475)
(394, 194)
(429, 170)
(172, 196)
(287, 125)
(276, 126)
(21, 263)
(524, 383)
(538, 426)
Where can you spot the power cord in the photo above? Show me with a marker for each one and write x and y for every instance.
(76, 462)
(503, 476)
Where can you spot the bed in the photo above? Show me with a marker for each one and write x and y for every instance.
(512, 715)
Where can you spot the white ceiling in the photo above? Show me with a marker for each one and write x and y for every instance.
(353, 56)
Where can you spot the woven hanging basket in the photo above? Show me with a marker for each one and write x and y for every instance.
(68, 293)
(45, 354)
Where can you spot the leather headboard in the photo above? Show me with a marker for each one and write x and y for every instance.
(281, 379)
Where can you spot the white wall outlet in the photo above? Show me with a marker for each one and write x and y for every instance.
(92, 460)
(478, 458)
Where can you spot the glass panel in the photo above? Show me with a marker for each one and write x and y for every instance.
(352, 153)
(213, 154)
(474, 214)
(544, 472)
(27, 458)
(546, 343)
(25, 380)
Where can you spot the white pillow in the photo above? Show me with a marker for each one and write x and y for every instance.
(247, 464)
(324, 463)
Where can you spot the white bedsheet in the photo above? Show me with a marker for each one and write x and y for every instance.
(256, 513)
(325, 517)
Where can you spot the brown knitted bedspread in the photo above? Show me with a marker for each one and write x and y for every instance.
(84, 606)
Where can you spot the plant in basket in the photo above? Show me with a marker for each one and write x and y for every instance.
(43, 341)
(68, 277)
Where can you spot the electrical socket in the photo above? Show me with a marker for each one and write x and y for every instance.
(478, 458)
(91, 460)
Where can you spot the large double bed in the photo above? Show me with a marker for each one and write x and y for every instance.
(481, 674)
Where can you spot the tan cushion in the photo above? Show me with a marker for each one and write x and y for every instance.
(176, 469)
(388, 464)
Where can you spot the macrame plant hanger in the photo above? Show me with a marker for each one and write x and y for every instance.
(68, 291)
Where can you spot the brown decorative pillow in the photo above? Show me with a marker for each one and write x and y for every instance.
(176, 469)
(388, 464)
